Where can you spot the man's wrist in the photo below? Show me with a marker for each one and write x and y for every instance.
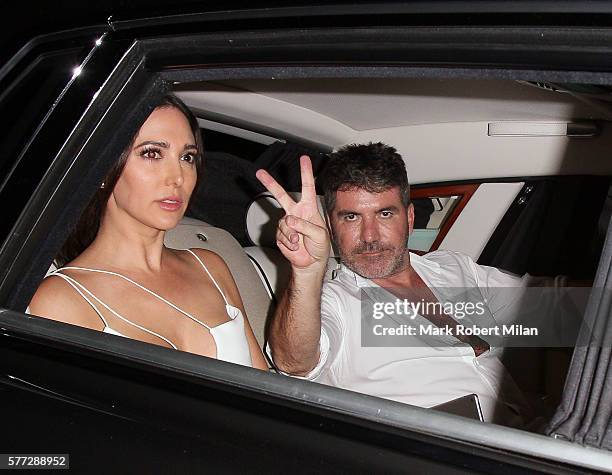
(309, 274)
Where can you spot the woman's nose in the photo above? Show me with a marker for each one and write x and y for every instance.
(179, 179)
(174, 175)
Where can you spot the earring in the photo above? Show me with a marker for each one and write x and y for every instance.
(102, 185)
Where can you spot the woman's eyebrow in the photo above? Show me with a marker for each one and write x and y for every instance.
(153, 142)
(190, 147)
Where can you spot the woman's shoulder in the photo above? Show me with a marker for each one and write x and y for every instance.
(57, 300)
(52, 292)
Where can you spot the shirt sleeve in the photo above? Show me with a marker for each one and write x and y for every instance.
(512, 298)
(503, 291)
(331, 338)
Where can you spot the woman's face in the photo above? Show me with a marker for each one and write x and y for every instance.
(160, 173)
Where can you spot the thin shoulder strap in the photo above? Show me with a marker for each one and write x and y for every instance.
(78, 286)
(180, 310)
(209, 275)
(75, 285)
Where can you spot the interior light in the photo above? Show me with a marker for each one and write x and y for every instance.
(542, 129)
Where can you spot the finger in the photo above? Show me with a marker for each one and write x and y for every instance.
(283, 240)
(289, 232)
(308, 183)
(285, 251)
(308, 229)
(276, 189)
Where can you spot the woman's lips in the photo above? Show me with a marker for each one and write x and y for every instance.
(170, 205)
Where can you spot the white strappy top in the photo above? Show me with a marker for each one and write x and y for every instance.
(229, 337)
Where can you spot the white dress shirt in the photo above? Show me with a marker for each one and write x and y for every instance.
(430, 370)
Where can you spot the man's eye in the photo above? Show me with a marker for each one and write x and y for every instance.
(350, 217)
(386, 214)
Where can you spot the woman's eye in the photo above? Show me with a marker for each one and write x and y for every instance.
(189, 158)
(150, 153)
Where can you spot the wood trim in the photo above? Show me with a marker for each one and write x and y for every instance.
(464, 191)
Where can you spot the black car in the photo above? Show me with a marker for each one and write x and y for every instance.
(268, 84)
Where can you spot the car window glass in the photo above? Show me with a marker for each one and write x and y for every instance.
(25, 102)
(430, 214)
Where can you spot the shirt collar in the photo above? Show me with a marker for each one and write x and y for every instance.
(421, 264)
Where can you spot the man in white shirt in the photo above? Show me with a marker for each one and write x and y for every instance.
(318, 331)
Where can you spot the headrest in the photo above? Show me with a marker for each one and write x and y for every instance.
(186, 221)
(263, 215)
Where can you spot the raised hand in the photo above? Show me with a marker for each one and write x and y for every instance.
(301, 235)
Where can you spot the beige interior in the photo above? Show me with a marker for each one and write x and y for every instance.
(439, 126)
(478, 220)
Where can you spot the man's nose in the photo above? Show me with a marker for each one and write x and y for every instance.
(369, 230)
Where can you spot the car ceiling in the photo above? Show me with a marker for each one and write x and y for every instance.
(364, 104)
(435, 122)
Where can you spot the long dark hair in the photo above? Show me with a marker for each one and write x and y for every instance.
(89, 223)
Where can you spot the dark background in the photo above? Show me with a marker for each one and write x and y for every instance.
(23, 21)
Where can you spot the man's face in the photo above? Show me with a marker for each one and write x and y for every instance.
(371, 231)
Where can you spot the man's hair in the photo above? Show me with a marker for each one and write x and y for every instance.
(374, 167)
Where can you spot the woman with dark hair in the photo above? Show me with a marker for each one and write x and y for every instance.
(117, 275)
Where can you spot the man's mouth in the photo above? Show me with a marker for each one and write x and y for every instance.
(371, 252)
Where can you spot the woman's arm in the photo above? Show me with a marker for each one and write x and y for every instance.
(218, 267)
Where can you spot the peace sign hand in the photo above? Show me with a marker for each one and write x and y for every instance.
(301, 235)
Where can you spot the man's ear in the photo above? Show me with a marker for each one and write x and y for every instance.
(410, 214)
